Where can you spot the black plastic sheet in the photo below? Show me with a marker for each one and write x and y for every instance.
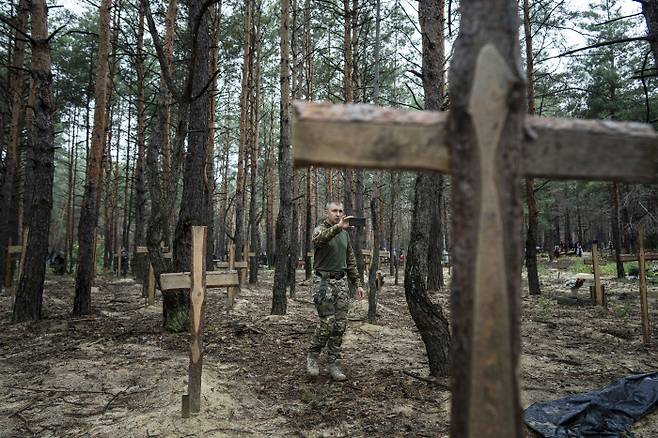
(608, 412)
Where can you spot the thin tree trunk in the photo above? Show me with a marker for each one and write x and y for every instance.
(254, 234)
(89, 211)
(279, 298)
(140, 167)
(8, 195)
(373, 290)
(650, 12)
(531, 234)
(27, 305)
(616, 238)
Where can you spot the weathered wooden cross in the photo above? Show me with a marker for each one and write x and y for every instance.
(196, 282)
(12, 251)
(150, 279)
(485, 310)
(242, 266)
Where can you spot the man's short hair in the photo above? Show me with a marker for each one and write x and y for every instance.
(328, 204)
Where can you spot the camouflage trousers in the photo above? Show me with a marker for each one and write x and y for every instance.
(329, 331)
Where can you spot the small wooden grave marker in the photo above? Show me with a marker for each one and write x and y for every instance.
(196, 281)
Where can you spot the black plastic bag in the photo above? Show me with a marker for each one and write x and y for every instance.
(608, 412)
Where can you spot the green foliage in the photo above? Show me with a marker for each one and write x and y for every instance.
(179, 321)
(546, 306)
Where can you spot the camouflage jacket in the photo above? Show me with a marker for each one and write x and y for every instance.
(323, 235)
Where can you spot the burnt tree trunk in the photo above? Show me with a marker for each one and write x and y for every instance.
(284, 218)
(89, 210)
(29, 294)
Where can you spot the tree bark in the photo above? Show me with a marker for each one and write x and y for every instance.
(284, 218)
(531, 233)
(140, 267)
(650, 12)
(196, 195)
(8, 195)
(89, 210)
(27, 305)
(373, 286)
(254, 231)
(616, 238)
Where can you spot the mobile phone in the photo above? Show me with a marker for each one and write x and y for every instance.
(357, 221)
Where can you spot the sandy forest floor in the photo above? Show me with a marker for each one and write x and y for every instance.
(116, 373)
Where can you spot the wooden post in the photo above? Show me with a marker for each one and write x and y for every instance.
(198, 305)
(151, 286)
(8, 262)
(230, 291)
(597, 291)
(26, 232)
(244, 273)
(644, 303)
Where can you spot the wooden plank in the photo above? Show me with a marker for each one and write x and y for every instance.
(236, 265)
(198, 305)
(141, 250)
(365, 136)
(252, 254)
(366, 252)
(214, 279)
(644, 302)
(14, 249)
(648, 256)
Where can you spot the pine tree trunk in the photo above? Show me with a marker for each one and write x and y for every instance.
(428, 316)
(284, 219)
(9, 195)
(373, 290)
(254, 232)
(196, 195)
(27, 305)
(616, 238)
(531, 233)
(89, 210)
(140, 166)
(650, 12)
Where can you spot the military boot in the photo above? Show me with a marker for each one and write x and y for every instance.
(312, 368)
(335, 371)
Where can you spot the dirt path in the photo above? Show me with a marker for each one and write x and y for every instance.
(117, 373)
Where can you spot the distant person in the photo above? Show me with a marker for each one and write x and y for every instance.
(334, 263)
(579, 250)
(59, 264)
(124, 262)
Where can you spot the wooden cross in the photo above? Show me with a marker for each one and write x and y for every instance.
(150, 280)
(486, 343)
(13, 250)
(367, 257)
(242, 266)
(196, 282)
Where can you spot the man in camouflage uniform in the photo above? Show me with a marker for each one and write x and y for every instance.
(334, 263)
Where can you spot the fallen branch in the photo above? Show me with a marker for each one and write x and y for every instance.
(25, 388)
(432, 380)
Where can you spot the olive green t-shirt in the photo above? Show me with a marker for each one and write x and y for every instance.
(333, 251)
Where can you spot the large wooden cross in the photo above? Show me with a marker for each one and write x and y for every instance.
(196, 282)
(485, 322)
